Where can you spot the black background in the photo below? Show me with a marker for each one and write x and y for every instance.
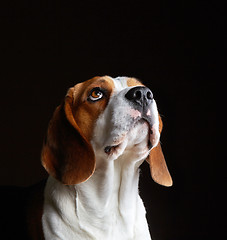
(172, 46)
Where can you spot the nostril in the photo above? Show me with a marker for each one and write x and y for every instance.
(137, 95)
(149, 95)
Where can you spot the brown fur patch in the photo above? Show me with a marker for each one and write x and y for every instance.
(133, 82)
(85, 112)
(67, 153)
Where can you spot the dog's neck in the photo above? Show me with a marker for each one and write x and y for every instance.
(108, 200)
(111, 194)
(113, 185)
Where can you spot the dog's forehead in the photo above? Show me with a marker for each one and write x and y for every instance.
(121, 83)
(112, 85)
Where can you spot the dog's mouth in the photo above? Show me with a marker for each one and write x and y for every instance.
(111, 149)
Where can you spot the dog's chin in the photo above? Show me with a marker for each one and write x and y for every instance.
(141, 137)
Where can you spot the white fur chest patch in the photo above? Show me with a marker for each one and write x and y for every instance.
(77, 213)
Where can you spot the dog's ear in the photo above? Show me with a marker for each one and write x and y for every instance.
(158, 167)
(66, 154)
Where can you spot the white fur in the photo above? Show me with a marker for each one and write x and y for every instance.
(107, 206)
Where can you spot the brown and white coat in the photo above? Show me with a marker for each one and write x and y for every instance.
(96, 141)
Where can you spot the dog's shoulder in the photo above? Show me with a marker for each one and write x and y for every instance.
(34, 210)
(21, 211)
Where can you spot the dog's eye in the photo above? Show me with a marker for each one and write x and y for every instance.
(95, 95)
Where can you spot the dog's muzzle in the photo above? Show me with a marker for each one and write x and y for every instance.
(140, 99)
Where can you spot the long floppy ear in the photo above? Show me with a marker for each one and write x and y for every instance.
(158, 167)
(66, 153)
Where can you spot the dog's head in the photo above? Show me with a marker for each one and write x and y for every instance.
(104, 118)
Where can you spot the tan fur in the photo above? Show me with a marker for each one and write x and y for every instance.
(133, 82)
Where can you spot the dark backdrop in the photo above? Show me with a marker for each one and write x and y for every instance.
(173, 47)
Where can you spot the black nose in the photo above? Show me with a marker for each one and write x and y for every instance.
(140, 95)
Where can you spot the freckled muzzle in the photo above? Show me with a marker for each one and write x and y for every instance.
(138, 108)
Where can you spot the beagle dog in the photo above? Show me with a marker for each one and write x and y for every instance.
(96, 141)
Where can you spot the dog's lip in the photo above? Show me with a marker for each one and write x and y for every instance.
(110, 149)
(149, 143)
(152, 136)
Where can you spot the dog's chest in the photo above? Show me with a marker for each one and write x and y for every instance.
(108, 223)
(70, 215)
(109, 210)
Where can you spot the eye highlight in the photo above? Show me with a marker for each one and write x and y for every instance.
(95, 94)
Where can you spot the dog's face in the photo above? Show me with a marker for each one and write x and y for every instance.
(101, 120)
(128, 124)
